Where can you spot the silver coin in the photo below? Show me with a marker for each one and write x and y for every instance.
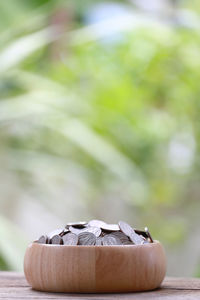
(76, 230)
(103, 225)
(96, 223)
(70, 239)
(123, 238)
(76, 224)
(136, 239)
(111, 239)
(86, 238)
(99, 241)
(120, 235)
(148, 234)
(126, 228)
(43, 239)
(55, 232)
(56, 239)
(110, 227)
(95, 230)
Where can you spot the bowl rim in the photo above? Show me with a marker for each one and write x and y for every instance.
(53, 246)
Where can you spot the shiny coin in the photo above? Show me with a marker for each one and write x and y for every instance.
(95, 230)
(110, 227)
(43, 239)
(70, 239)
(111, 239)
(55, 232)
(126, 228)
(136, 239)
(86, 238)
(76, 224)
(99, 241)
(148, 233)
(96, 223)
(56, 239)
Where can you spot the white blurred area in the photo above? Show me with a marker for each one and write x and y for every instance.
(181, 152)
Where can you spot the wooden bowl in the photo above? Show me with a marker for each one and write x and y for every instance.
(94, 269)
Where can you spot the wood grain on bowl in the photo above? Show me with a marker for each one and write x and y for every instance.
(89, 269)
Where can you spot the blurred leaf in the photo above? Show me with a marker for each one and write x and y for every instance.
(100, 149)
(23, 47)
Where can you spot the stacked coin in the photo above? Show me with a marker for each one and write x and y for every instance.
(96, 232)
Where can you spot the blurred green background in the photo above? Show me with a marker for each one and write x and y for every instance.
(99, 118)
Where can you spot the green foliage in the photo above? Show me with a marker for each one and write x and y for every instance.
(108, 110)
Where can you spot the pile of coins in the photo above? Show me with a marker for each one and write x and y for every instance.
(96, 232)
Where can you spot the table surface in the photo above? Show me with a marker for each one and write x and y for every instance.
(14, 286)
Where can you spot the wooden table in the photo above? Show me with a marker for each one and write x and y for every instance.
(14, 286)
